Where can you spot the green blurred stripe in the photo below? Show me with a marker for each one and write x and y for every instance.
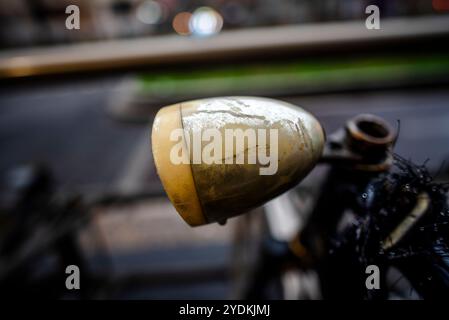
(277, 76)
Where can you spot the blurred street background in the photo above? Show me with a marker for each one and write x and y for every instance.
(38, 22)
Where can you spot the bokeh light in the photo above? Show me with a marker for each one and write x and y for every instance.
(440, 5)
(181, 23)
(205, 21)
(149, 12)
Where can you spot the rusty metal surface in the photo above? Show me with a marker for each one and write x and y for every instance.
(227, 190)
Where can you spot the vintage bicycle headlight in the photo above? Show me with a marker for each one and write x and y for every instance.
(221, 157)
